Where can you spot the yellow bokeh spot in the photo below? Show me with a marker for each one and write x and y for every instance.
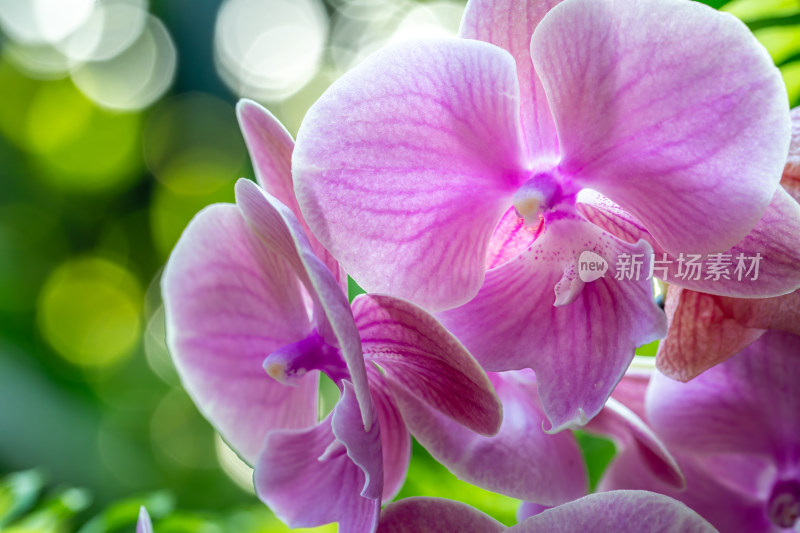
(74, 145)
(171, 212)
(198, 172)
(58, 115)
(757, 9)
(90, 312)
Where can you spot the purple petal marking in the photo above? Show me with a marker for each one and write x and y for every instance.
(395, 439)
(275, 224)
(270, 147)
(511, 237)
(144, 525)
(655, 99)
(309, 477)
(512, 323)
(604, 213)
(405, 165)
(421, 358)
(510, 24)
(748, 404)
(435, 515)
(622, 511)
(521, 461)
(230, 300)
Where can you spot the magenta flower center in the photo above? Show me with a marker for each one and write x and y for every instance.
(543, 192)
(310, 353)
(784, 503)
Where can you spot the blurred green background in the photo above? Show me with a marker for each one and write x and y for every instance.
(117, 124)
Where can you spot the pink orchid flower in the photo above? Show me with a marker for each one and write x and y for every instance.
(447, 172)
(253, 310)
(706, 329)
(735, 433)
(624, 511)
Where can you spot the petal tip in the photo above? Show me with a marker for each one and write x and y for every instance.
(578, 420)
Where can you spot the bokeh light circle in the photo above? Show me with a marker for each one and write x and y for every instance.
(43, 21)
(432, 20)
(135, 78)
(269, 49)
(111, 28)
(90, 312)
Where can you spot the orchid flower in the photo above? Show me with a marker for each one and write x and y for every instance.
(734, 431)
(620, 511)
(144, 525)
(706, 329)
(253, 310)
(447, 172)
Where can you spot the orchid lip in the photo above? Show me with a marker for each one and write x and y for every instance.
(294, 360)
(783, 506)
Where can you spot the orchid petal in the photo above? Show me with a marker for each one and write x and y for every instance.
(512, 322)
(421, 358)
(270, 147)
(144, 525)
(656, 99)
(791, 172)
(628, 430)
(529, 509)
(510, 24)
(395, 439)
(702, 333)
(632, 388)
(229, 302)
(773, 239)
(780, 312)
(521, 461)
(405, 165)
(622, 511)
(363, 447)
(275, 224)
(748, 404)
(309, 477)
(511, 237)
(604, 213)
(708, 492)
(435, 515)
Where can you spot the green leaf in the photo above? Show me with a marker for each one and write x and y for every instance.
(55, 515)
(597, 452)
(18, 494)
